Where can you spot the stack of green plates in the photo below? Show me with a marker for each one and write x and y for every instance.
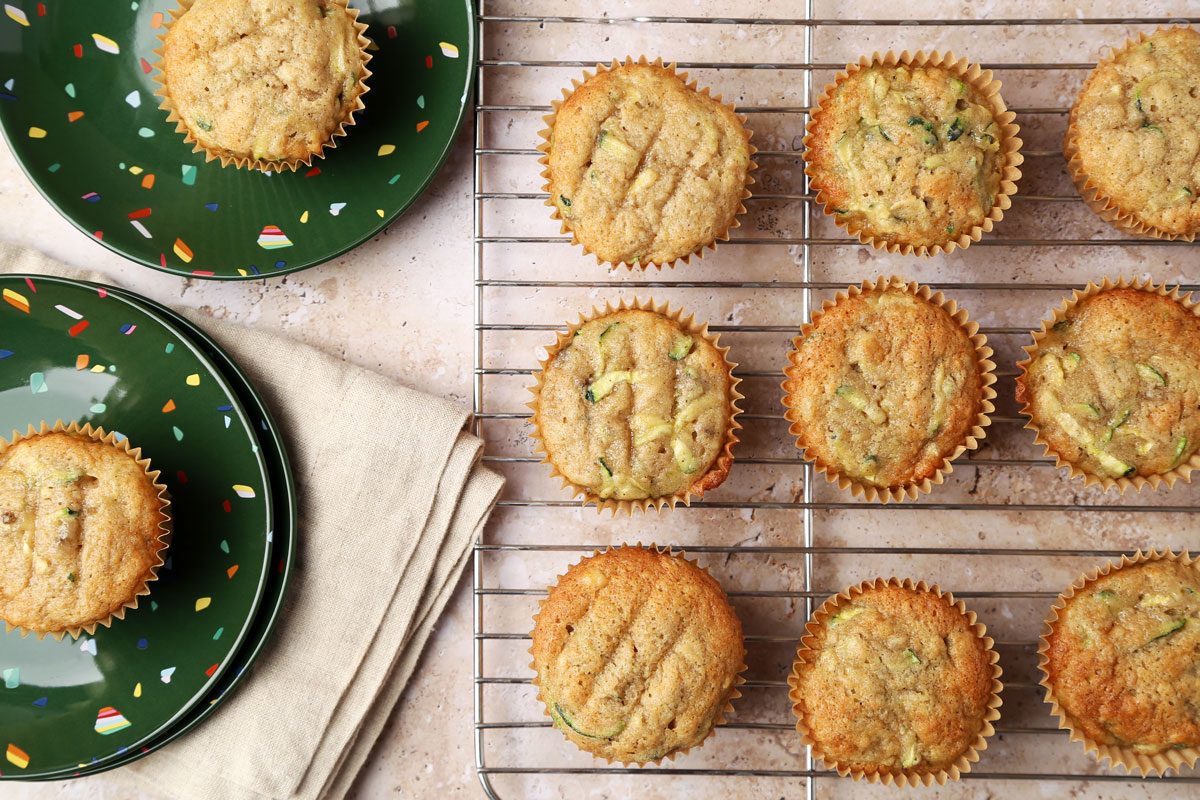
(75, 351)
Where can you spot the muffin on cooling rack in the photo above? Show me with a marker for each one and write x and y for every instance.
(642, 168)
(1112, 385)
(83, 525)
(1131, 139)
(1119, 659)
(915, 155)
(886, 386)
(636, 406)
(895, 682)
(637, 654)
(262, 84)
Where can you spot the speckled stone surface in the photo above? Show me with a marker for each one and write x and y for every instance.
(402, 304)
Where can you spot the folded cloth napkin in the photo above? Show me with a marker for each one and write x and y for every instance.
(390, 495)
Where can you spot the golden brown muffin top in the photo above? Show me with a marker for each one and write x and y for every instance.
(884, 386)
(1122, 657)
(896, 680)
(643, 169)
(634, 407)
(263, 79)
(909, 154)
(1134, 126)
(79, 528)
(637, 653)
(1115, 385)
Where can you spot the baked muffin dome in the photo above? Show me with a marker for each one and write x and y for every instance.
(1132, 135)
(1113, 387)
(80, 529)
(260, 79)
(895, 680)
(1120, 659)
(637, 654)
(884, 386)
(634, 407)
(906, 155)
(642, 168)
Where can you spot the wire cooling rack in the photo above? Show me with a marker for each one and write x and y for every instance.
(1006, 533)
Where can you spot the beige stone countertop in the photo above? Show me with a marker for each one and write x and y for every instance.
(403, 304)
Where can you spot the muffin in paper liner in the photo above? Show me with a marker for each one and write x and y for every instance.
(1108, 208)
(1183, 470)
(1010, 147)
(725, 708)
(165, 524)
(1145, 764)
(975, 434)
(245, 162)
(906, 777)
(717, 471)
(546, 145)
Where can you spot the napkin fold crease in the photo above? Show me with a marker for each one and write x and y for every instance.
(390, 496)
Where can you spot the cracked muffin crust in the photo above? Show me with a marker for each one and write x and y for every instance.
(1110, 399)
(634, 407)
(1120, 658)
(80, 530)
(907, 155)
(883, 387)
(637, 654)
(261, 79)
(1132, 135)
(893, 679)
(642, 168)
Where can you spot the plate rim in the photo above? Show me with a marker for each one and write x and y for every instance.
(268, 492)
(202, 712)
(375, 230)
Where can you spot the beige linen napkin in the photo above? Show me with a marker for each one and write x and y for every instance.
(391, 495)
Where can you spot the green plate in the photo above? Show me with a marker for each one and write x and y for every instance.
(75, 352)
(78, 109)
(283, 553)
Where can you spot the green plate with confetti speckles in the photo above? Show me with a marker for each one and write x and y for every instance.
(77, 352)
(78, 109)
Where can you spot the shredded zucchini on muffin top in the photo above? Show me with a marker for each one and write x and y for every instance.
(1115, 385)
(1134, 126)
(884, 387)
(911, 155)
(634, 408)
(1122, 657)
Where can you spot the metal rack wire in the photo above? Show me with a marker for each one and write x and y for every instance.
(496, 754)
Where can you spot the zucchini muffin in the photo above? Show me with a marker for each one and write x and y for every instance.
(260, 82)
(1132, 142)
(81, 531)
(1119, 658)
(895, 682)
(636, 406)
(1108, 399)
(912, 156)
(644, 169)
(637, 654)
(885, 386)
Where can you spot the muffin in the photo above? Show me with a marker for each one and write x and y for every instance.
(263, 84)
(895, 682)
(1110, 402)
(637, 655)
(913, 155)
(1131, 142)
(642, 168)
(636, 406)
(886, 386)
(82, 527)
(1119, 659)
